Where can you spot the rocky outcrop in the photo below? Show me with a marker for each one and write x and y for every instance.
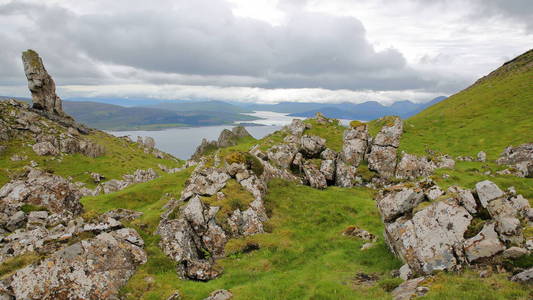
(519, 158)
(41, 189)
(226, 138)
(41, 84)
(355, 145)
(383, 157)
(297, 127)
(435, 237)
(91, 269)
(194, 234)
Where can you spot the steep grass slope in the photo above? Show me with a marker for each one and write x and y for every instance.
(493, 113)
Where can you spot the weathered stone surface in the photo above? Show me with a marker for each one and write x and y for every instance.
(312, 146)
(283, 155)
(396, 203)
(390, 134)
(297, 127)
(515, 252)
(226, 138)
(382, 159)
(488, 191)
(45, 148)
(513, 155)
(90, 269)
(220, 295)
(355, 145)
(484, 244)
(205, 182)
(41, 85)
(314, 176)
(38, 188)
(524, 277)
(412, 166)
(465, 198)
(345, 174)
(328, 168)
(240, 132)
(432, 239)
(408, 289)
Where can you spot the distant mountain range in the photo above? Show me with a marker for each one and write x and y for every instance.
(153, 114)
(366, 111)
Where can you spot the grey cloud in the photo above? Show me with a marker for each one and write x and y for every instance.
(195, 41)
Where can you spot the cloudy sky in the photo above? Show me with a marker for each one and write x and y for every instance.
(262, 50)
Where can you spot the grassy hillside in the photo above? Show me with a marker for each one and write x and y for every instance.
(490, 115)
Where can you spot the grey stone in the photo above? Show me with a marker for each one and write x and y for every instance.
(488, 191)
(484, 244)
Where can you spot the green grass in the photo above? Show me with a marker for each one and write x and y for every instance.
(121, 157)
(12, 264)
(332, 132)
(305, 255)
(490, 115)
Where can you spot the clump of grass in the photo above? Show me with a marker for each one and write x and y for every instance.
(331, 131)
(475, 227)
(375, 126)
(389, 284)
(27, 208)
(236, 197)
(365, 172)
(356, 123)
(247, 159)
(11, 265)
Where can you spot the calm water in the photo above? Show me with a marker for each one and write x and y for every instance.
(182, 142)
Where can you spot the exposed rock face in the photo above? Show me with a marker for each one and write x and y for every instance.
(45, 148)
(345, 175)
(283, 155)
(311, 146)
(355, 145)
(434, 237)
(315, 177)
(412, 166)
(190, 232)
(42, 189)
(297, 127)
(524, 277)
(90, 269)
(382, 157)
(520, 158)
(41, 85)
(226, 138)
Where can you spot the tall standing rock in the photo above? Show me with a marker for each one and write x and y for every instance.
(41, 84)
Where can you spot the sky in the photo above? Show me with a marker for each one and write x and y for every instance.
(263, 51)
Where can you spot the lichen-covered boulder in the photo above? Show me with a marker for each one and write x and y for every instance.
(39, 188)
(45, 148)
(283, 155)
(382, 159)
(91, 269)
(345, 174)
(412, 166)
(398, 202)
(485, 244)
(312, 146)
(355, 144)
(314, 176)
(297, 127)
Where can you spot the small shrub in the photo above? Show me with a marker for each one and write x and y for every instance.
(27, 208)
(355, 123)
(389, 284)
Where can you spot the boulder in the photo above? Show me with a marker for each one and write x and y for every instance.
(39, 188)
(464, 198)
(45, 148)
(390, 133)
(91, 269)
(283, 155)
(355, 145)
(397, 203)
(432, 239)
(524, 276)
(315, 178)
(204, 182)
(297, 127)
(345, 174)
(149, 142)
(382, 159)
(484, 244)
(412, 166)
(220, 295)
(481, 156)
(488, 191)
(312, 146)
(513, 155)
